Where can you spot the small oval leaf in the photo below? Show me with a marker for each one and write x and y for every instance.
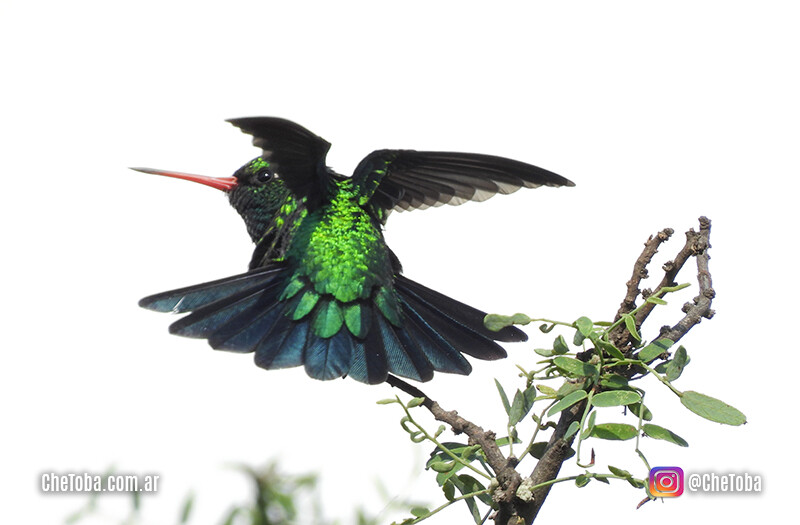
(560, 345)
(655, 349)
(546, 390)
(677, 364)
(567, 401)
(614, 431)
(443, 466)
(630, 324)
(584, 325)
(657, 432)
(415, 402)
(613, 381)
(496, 322)
(610, 349)
(615, 398)
(573, 428)
(712, 409)
(636, 407)
(573, 367)
(503, 396)
(620, 472)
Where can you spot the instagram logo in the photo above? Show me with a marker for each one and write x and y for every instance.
(666, 482)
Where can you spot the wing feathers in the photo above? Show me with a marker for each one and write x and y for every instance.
(408, 179)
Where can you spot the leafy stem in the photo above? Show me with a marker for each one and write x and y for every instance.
(415, 436)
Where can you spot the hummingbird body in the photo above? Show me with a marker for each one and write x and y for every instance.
(324, 290)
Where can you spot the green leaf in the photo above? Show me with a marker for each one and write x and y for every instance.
(655, 300)
(449, 490)
(573, 428)
(420, 512)
(610, 349)
(584, 328)
(567, 401)
(677, 364)
(520, 319)
(655, 349)
(503, 441)
(560, 346)
(620, 472)
(657, 432)
(614, 431)
(670, 289)
(635, 483)
(582, 480)
(523, 402)
(503, 396)
(569, 387)
(538, 449)
(630, 324)
(613, 381)
(573, 367)
(466, 484)
(496, 322)
(646, 414)
(469, 484)
(443, 478)
(546, 390)
(584, 325)
(615, 398)
(712, 409)
(467, 452)
(443, 466)
(386, 401)
(415, 402)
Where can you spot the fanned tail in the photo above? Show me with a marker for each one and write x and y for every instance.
(250, 313)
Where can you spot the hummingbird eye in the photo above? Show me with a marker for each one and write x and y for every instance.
(265, 176)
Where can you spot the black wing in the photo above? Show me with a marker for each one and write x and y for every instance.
(295, 154)
(408, 179)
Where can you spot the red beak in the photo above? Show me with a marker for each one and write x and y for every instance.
(220, 183)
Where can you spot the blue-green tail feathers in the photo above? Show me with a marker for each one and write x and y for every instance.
(250, 313)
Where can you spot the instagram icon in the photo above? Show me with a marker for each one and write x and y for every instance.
(666, 482)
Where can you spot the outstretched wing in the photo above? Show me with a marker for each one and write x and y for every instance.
(294, 153)
(408, 179)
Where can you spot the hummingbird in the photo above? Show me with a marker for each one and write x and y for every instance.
(323, 289)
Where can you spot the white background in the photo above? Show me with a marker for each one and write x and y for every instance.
(660, 112)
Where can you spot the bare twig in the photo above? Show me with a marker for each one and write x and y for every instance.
(701, 305)
(640, 270)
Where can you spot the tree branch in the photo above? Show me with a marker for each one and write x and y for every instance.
(508, 478)
(512, 510)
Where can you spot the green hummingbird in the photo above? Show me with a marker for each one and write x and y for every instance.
(323, 289)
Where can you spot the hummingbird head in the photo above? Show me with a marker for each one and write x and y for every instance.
(257, 195)
(255, 191)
